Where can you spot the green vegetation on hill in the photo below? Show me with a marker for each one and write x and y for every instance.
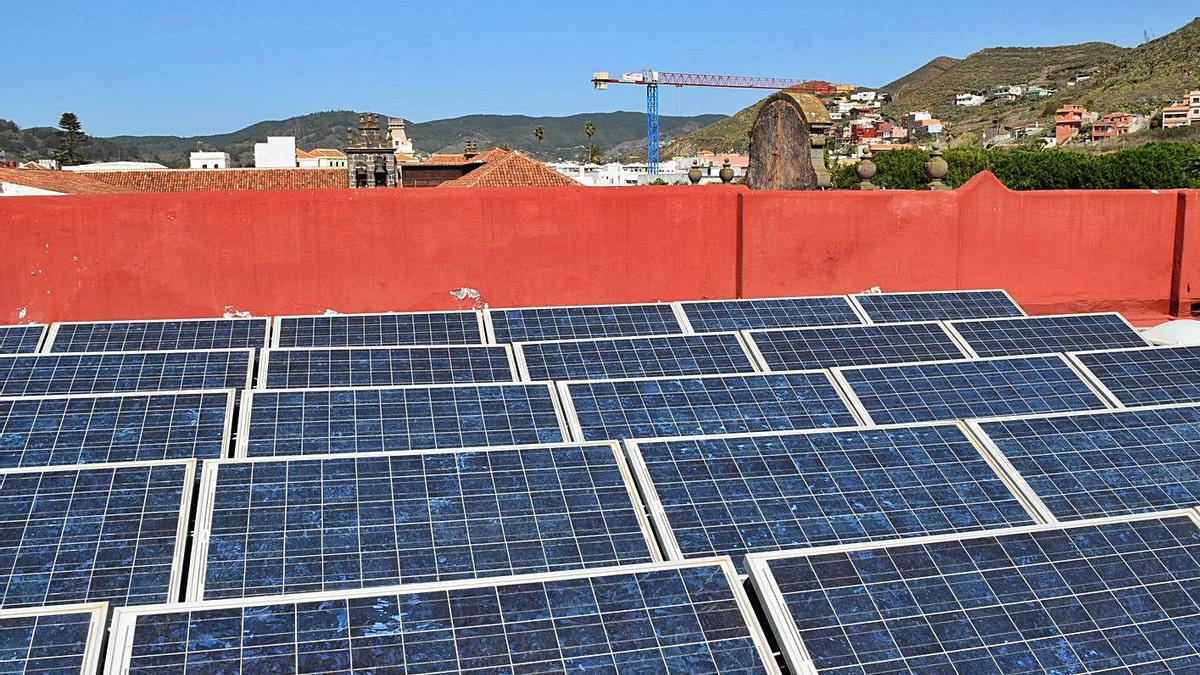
(932, 69)
(1147, 76)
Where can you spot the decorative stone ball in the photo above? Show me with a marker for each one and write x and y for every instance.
(866, 168)
(694, 174)
(726, 173)
(936, 167)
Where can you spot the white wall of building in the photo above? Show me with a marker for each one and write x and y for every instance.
(279, 152)
(16, 190)
(209, 160)
(96, 167)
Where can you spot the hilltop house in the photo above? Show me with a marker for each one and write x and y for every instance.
(1112, 125)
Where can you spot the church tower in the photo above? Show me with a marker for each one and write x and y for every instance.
(399, 137)
(370, 159)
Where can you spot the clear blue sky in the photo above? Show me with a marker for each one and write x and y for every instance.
(135, 67)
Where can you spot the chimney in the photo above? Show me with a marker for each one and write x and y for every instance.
(471, 150)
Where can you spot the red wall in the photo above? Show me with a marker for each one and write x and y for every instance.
(200, 254)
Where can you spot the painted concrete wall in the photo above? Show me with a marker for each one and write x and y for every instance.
(200, 254)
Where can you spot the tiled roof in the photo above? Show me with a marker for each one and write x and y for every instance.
(207, 180)
(509, 168)
(327, 152)
(56, 181)
(304, 154)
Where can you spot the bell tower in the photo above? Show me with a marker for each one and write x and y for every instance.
(370, 158)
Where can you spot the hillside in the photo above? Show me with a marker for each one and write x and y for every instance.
(563, 136)
(1149, 75)
(930, 70)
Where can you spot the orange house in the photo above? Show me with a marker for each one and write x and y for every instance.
(1067, 122)
(1112, 125)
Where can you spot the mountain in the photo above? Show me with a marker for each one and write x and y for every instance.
(932, 69)
(1148, 75)
(731, 134)
(563, 136)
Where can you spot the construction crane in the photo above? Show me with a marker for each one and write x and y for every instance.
(651, 79)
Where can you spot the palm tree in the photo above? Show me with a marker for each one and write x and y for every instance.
(539, 133)
(595, 155)
(589, 128)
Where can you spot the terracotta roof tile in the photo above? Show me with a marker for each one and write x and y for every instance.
(206, 180)
(509, 168)
(56, 181)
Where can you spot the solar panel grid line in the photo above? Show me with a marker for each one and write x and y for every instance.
(280, 334)
(54, 340)
(89, 655)
(742, 350)
(242, 441)
(1096, 381)
(859, 300)
(827, 338)
(682, 317)
(800, 659)
(1018, 482)
(661, 522)
(572, 416)
(1029, 328)
(502, 334)
(837, 310)
(448, 351)
(25, 338)
(125, 622)
(226, 444)
(117, 360)
(1144, 375)
(206, 501)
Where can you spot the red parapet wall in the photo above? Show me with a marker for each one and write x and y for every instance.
(201, 254)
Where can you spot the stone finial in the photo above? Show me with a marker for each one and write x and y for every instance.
(726, 172)
(936, 169)
(694, 174)
(471, 149)
(866, 171)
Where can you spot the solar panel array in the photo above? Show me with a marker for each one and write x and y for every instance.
(25, 339)
(137, 336)
(1046, 334)
(378, 330)
(105, 372)
(936, 305)
(707, 354)
(532, 324)
(651, 408)
(713, 316)
(298, 368)
(807, 348)
(1147, 376)
(1107, 596)
(62, 639)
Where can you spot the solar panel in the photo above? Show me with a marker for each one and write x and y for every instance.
(111, 372)
(323, 421)
(1086, 465)
(170, 334)
(656, 618)
(23, 339)
(712, 316)
(112, 532)
(598, 410)
(808, 348)
(530, 324)
(383, 519)
(737, 494)
(1147, 375)
(301, 367)
(379, 330)
(1112, 595)
(1046, 334)
(103, 428)
(949, 390)
(61, 640)
(707, 354)
(936, 305)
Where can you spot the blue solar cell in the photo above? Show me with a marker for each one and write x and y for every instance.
(21, 339)
(355, 521)
(1085, 465)
(708, 354)
(948, 390)
(94, 532)
(1047, 334)
(936, 305)
(385, 366)
(108, 372)
(176, 334)
(734, 495)
(99, 429)
(1091, 597)
(711, 316)
(587, 321)
(686, 406)
(379, 330)
(61, 640)
(637, 619)
(808, 348)
(1149, 375)
(323, 421)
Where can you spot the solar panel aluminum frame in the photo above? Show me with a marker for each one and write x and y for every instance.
(951, 325)
(124, 620)
(277, 324)
(42, 341)
(1094, 379)
(866, 315)
(796, 655)
(264, 358)
(175, 583)
(662, 525)
(52, 335)
(249, 370)
(523, 367)
(96, 626)
(854, 307)
(242, 443)
(490, 335)
(761, 360)
(208, 489)
(231, 395)
(576, 429)
(857, 404)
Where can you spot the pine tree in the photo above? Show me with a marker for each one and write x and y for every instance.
(71, 140)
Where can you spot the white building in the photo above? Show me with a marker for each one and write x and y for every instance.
(864, 96)
(279, 152)
(401, 143)
(209, 160)
(321, 158)
(969, 100)
(97, 167)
